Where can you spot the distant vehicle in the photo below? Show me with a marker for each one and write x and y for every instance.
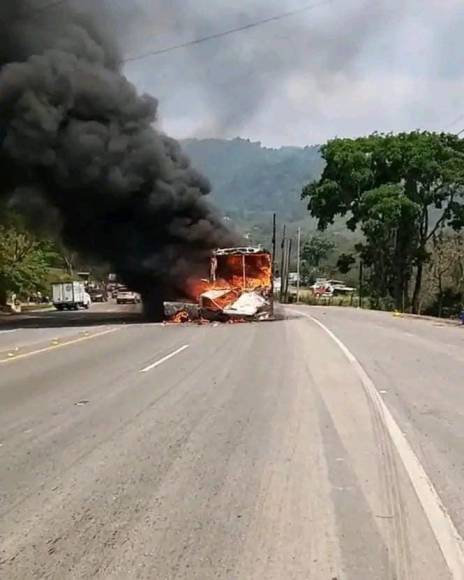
(127, 297)
(116, 289)
(98, 295)
(70, 296)
(327, 288)
(292, 278)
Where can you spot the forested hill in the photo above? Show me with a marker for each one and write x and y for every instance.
(250, 180)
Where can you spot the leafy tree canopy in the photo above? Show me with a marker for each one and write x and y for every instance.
(399, 190)
(23, 262)
(316, 250)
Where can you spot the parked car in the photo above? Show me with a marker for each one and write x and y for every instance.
(117, 289)
(127, 297)
(328, 288)
(98, 295)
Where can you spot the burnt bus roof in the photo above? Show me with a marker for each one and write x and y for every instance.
(243, 251)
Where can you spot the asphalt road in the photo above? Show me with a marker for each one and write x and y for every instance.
(37, 326)
(257, 451)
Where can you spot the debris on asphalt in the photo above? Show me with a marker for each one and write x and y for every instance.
(13, 352)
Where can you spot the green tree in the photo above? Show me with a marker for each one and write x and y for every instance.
(445, 272)
(387, 218)
(399, 190)
(316, 250)
(23, 262)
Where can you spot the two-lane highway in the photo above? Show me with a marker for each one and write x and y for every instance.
(223, 451)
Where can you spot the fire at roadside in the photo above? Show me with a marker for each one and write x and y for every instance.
(239, 289)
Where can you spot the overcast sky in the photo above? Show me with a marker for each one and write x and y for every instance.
(343, 68)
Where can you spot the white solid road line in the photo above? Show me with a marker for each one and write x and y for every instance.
(448, 538)
(164, 359)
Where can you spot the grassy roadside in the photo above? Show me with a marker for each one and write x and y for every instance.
(35, 307)
(25, 308)
(307, 297)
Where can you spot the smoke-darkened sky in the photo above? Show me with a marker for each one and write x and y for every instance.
(345, 68)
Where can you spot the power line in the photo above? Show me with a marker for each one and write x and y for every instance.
(36, 12)
(455, 122)
(228, 32)
(48, 6)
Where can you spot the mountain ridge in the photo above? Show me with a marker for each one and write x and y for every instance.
(250, 181)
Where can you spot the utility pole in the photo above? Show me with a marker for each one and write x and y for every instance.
(284, 270)
(282, 263)
(273, 243)
(298, 266)
(273, 266)
(287, 267)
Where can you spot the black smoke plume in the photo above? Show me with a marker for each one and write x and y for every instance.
(78, 142)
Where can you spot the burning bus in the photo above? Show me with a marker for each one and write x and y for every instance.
(239, 287)
(240, 284)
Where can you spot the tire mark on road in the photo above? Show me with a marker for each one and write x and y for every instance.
(447, 536)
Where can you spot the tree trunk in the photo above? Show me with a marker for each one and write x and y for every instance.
(400, 285)
(69, 268)
(440, 305)
(401, 269)
(417, 289)
(3, 297)
(398, 295)
(440, 296)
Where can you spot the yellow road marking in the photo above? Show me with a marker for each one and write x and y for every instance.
(55, 346)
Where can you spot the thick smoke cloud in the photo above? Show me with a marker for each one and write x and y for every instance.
(78, 142)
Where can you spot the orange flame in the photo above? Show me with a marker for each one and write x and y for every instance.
(180, 317)
(236, 273)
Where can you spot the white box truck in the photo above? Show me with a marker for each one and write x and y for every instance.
(70, 296)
